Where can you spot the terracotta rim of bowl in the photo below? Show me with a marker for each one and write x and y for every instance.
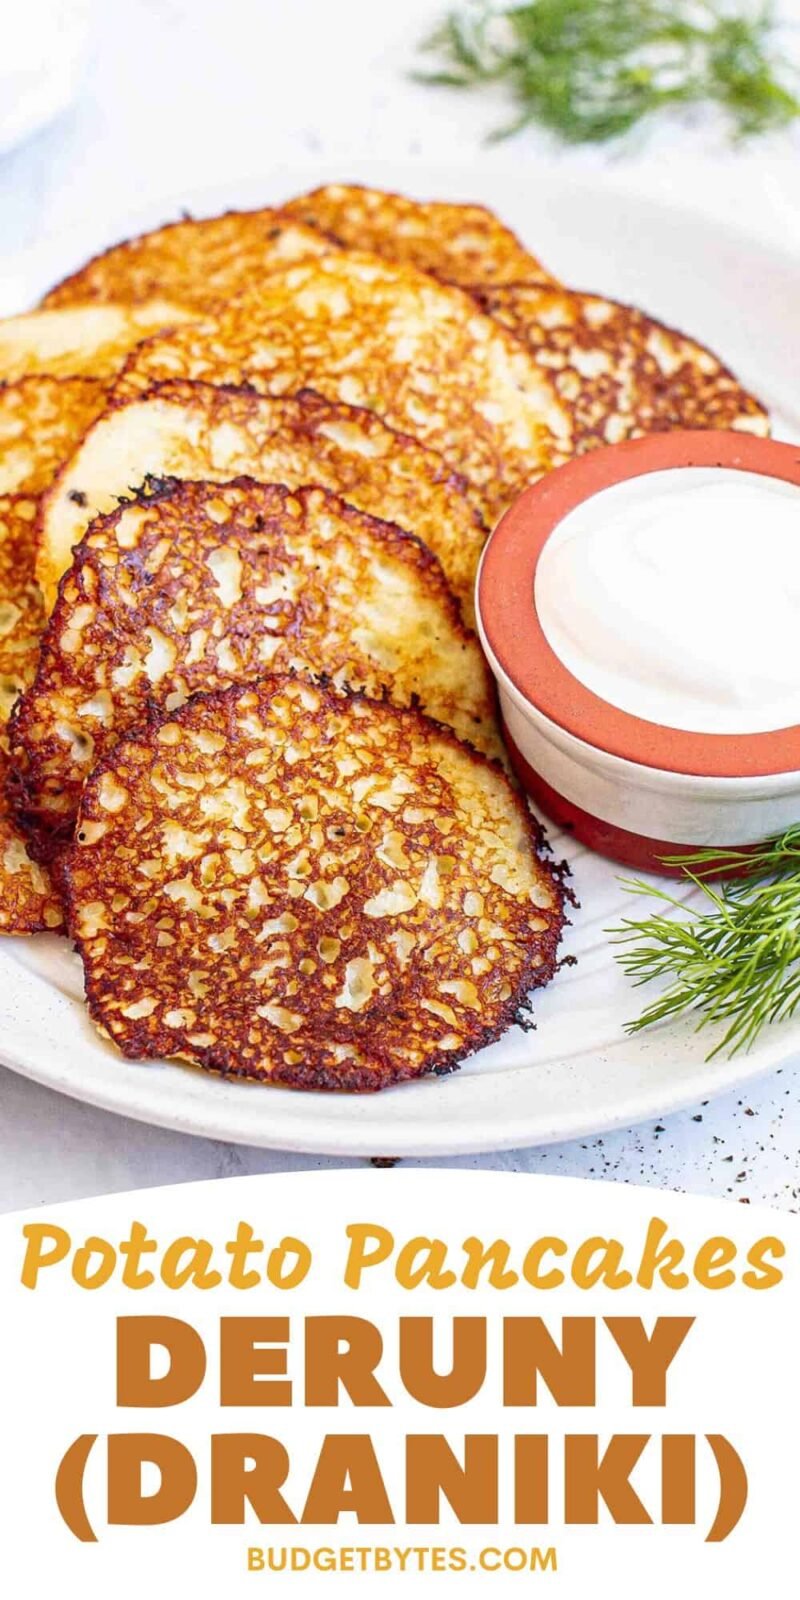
(636, 850)
(514, 636)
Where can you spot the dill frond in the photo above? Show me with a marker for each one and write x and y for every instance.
(590, 70)
(736, 960)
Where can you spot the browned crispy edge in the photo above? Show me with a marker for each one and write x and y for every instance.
(445, 474)
(313, 402)
(517, 1009)
(43, 844)
(483, 293)
(396, 194)
(45, 304)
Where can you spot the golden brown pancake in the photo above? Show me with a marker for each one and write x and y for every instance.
(620, 373)
(21, 613)
(28, 902)
(462, 244)
(284, 883)
(371, 333)
(196, 586)
(193, 430)
(194, 262)
(41, 421)
(80, 341)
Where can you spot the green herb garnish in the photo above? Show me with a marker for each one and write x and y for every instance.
(736, 960)
(591, 69)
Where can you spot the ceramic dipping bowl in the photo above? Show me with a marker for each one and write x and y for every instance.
(635, 790)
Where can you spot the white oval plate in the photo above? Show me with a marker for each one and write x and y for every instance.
(579, 1072)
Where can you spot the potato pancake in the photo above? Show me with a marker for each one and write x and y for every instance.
(619, 372)
(28, 902)
(81, 341)
(462, 244)
(371, 333)
(196, 586)
(21, 611)
(193, 430)
(194, 262)
(286, 883)
(41, 421)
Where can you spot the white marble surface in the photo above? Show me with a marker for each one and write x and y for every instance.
(184, 93)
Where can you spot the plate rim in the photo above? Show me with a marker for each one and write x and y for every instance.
(363, 1141)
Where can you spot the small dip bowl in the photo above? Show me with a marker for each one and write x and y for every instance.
(634, 790)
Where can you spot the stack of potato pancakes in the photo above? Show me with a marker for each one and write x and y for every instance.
(250, 758)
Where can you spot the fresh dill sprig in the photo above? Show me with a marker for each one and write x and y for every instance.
(589, 70)
(736, 960)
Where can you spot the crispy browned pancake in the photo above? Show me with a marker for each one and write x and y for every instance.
(79, 342)
(28, 902)
(194, 262)
(42, 420)
(619, 372)
(283, 883)
(463, 244)
(198, 586)
(21, 614)
(371, 333)
(193, 430)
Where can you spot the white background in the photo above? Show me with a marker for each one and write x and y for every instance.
(179, 94)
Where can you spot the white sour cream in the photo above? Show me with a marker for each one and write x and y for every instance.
(676, 597)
